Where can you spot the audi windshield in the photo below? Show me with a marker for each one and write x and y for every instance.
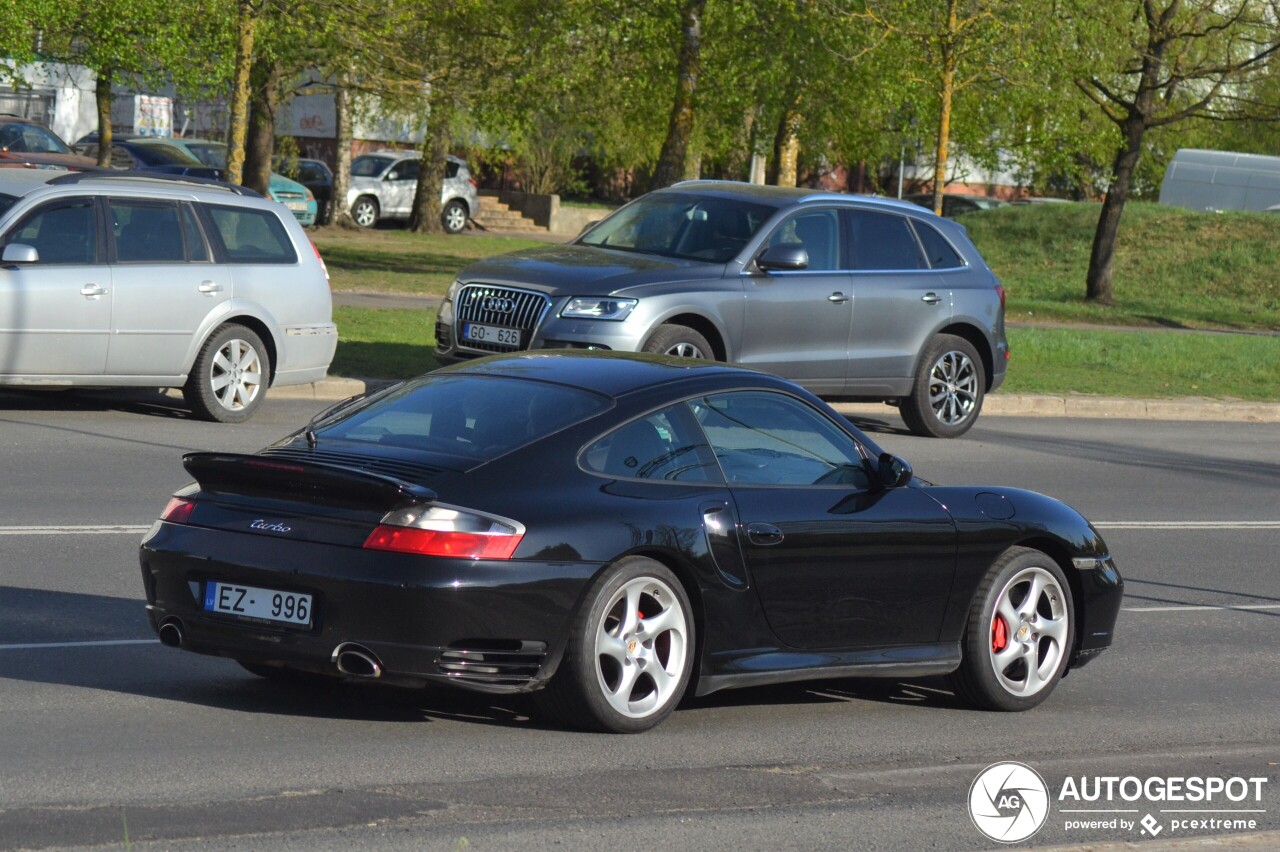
(682, 226)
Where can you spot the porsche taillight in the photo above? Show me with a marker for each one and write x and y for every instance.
(446, 531)
(178, 510)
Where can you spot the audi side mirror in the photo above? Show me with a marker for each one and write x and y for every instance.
(783, 257)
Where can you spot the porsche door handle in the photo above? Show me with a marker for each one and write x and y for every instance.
(764, 534)
(931, 298)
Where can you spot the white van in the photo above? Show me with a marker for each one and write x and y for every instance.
(1213, 181)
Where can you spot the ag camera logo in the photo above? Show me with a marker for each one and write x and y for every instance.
(1008, 802)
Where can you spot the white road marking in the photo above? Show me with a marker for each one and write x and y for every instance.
(1195, 608)
(81, 529)
(1187, 525)
(39, 645)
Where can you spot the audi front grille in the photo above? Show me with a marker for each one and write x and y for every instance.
(502, 307)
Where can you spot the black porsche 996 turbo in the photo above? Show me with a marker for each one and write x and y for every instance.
(611, 531)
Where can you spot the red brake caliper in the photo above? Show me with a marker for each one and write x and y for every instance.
(999, 635)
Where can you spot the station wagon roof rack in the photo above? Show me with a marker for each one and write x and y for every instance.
(115, 174)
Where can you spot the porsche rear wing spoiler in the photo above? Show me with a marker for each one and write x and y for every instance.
(333, 485)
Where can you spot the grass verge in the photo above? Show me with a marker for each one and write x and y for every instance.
(393, 344)
(1144, 364)
(384, 343)
(1173, 267)
(392, 260)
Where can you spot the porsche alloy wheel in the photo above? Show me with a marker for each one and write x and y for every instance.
(631, 652)
(1019, 635)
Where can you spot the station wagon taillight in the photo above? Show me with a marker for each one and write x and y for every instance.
(316, 249)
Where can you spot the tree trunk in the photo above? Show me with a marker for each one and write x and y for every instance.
(339, 210)
(786, 148)
(946, 92)
(1102, 256)
(246, 26)
(674, 161)
(435, 150)
(102, 94)
(261, 141)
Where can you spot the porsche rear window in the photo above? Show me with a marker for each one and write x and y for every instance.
(474, 417)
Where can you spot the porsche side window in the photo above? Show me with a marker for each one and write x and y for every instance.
(770, 439)
(653, 447)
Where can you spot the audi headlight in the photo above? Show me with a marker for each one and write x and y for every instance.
(452, 295)
(598, 307)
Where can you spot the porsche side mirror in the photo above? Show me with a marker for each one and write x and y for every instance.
(894, 472)
(783, 257)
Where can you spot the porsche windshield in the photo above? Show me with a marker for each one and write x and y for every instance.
(684, 226)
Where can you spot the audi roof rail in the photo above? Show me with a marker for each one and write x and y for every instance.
(115, 174)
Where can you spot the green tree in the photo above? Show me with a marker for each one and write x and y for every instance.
(1151, 64)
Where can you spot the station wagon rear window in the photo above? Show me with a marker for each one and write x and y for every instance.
(251, 236)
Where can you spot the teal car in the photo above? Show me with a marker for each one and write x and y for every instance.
(300, 201)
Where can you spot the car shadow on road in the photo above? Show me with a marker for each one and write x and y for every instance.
(876, 425)
(62, 638)
(152, 402)
(932, 692)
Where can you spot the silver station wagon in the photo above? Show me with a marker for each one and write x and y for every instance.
(853, 297)
(113, 279)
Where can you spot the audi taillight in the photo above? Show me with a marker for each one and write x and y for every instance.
(445, 531)
(178, 510)
(1000, 291)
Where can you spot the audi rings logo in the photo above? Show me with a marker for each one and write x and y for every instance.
(498, 304)
(1008, 802)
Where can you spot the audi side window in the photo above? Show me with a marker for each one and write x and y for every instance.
(251, 236)
(770, 439)
(658, 447)
(146, 232)
(64, 232)
(883, 241)
(818, 232)
(450, 169)
(937, 250)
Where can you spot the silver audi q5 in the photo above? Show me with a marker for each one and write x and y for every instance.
(853, 297)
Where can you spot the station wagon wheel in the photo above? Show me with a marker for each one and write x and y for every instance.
(679, 340)
(949, 387)
(230, 376)
(454, 216)
(630, 652)
(1019, 635)
(365, 211)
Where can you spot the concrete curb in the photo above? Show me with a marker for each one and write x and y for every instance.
(997, 405)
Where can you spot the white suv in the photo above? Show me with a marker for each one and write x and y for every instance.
(117, 279)
(384, 183)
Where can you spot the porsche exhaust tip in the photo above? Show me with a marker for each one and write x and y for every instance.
(356, 661)
(170, 633)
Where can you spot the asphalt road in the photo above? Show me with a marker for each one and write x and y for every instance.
(138, 745)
